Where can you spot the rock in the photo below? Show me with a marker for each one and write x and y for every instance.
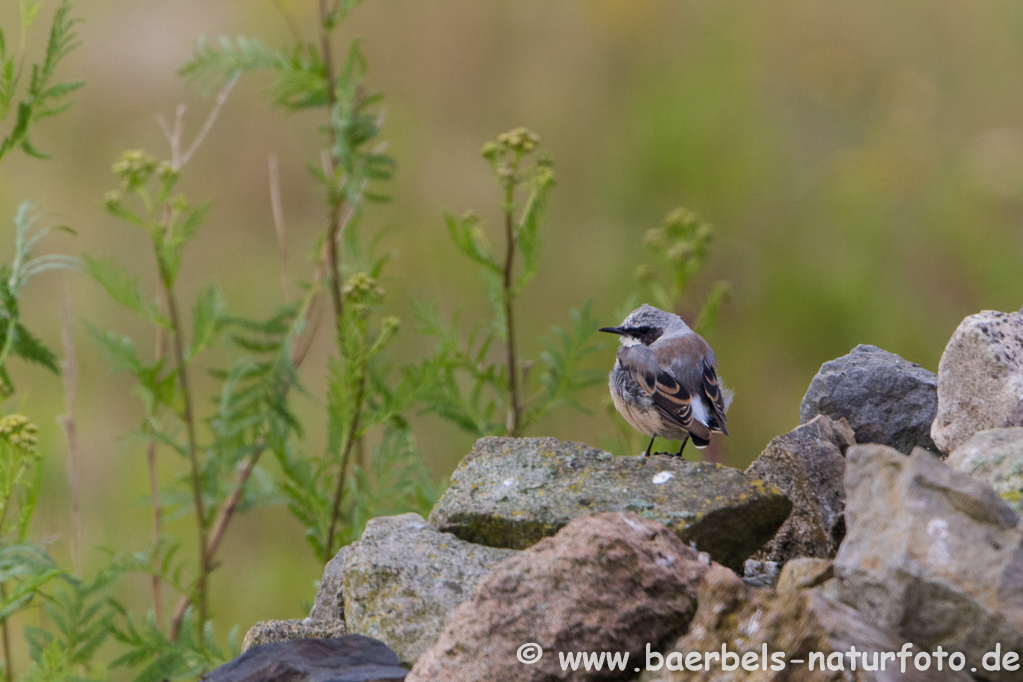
(980, 378)
(352, 658)
(610, 582)
(327, 606)
(804, 573)
(511, 492)
(403, 579)
(284, 630)
(760, 573)
(994, 456)
(931, 554)
(884, 398)
(746, 623)
(808, 465)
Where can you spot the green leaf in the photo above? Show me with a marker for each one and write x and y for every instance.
(468, 236)
(28, 347)
(528, 229)
(206, 320)
(120, 351)
(123, 288)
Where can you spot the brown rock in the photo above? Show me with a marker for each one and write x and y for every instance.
(794, 629)
(611, 582)
(804, 573)
(808, 465)
(980, 378)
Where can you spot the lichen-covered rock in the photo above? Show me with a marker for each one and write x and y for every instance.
(808, 465)
(327, 606)
(511, 492)
(352, 658)
(794, 629)
(611, 582)
(271, 631)
(403, 579)
(931, 554)
(884, 398)
(994, 456)
(980, 378)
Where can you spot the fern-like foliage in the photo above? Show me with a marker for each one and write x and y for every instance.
(42, 97)
(473, 388)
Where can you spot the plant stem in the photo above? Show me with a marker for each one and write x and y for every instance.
(69, 374)
(350, 440)
(193, 456)
(334, 202)
(514, 406)
(6, 633)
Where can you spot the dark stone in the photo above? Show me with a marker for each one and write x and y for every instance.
(886, 399)
(352, 658)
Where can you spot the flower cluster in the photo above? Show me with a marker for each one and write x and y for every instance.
(17, 430)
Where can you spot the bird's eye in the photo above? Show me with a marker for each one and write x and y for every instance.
(644, 330)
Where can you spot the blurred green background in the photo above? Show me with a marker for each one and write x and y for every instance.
(862, 163)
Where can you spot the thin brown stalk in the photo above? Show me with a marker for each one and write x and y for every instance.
(69, 374)
(5, 632)
(188, 417)
(334, 209)
(178, 160)
(159, 352)
(208, 123)
(277, 209)
(514, 405)
(350, 441)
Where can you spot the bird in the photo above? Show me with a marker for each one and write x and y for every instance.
(664, 381)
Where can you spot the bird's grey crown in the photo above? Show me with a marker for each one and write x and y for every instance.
(655, 318)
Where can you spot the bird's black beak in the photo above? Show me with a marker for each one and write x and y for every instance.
(612, 330)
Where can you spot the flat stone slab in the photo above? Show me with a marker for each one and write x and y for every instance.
(512, 492)
(270, 631)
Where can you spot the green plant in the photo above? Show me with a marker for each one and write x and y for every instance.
(251, 410)
(679, 247)
(507, 384)
(333, 493)
(41, 98)
(24, 568)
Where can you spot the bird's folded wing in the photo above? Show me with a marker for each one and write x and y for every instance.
(670, 398)
(712, 389)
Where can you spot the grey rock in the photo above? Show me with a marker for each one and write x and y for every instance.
(884, 398)
(808, 465)
(511, 492)
(931, 554)
(271, 631)
(804, 573)
(994, 456)
(352, 658)
(980, 378)
(747, 621)
(403, 579)
(610, 582)
(760, 573)
(328, 606)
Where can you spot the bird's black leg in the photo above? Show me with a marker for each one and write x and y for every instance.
(679, 453)
(647, 454)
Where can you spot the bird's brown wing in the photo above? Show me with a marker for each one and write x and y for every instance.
(671, 398)
(712, 389)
